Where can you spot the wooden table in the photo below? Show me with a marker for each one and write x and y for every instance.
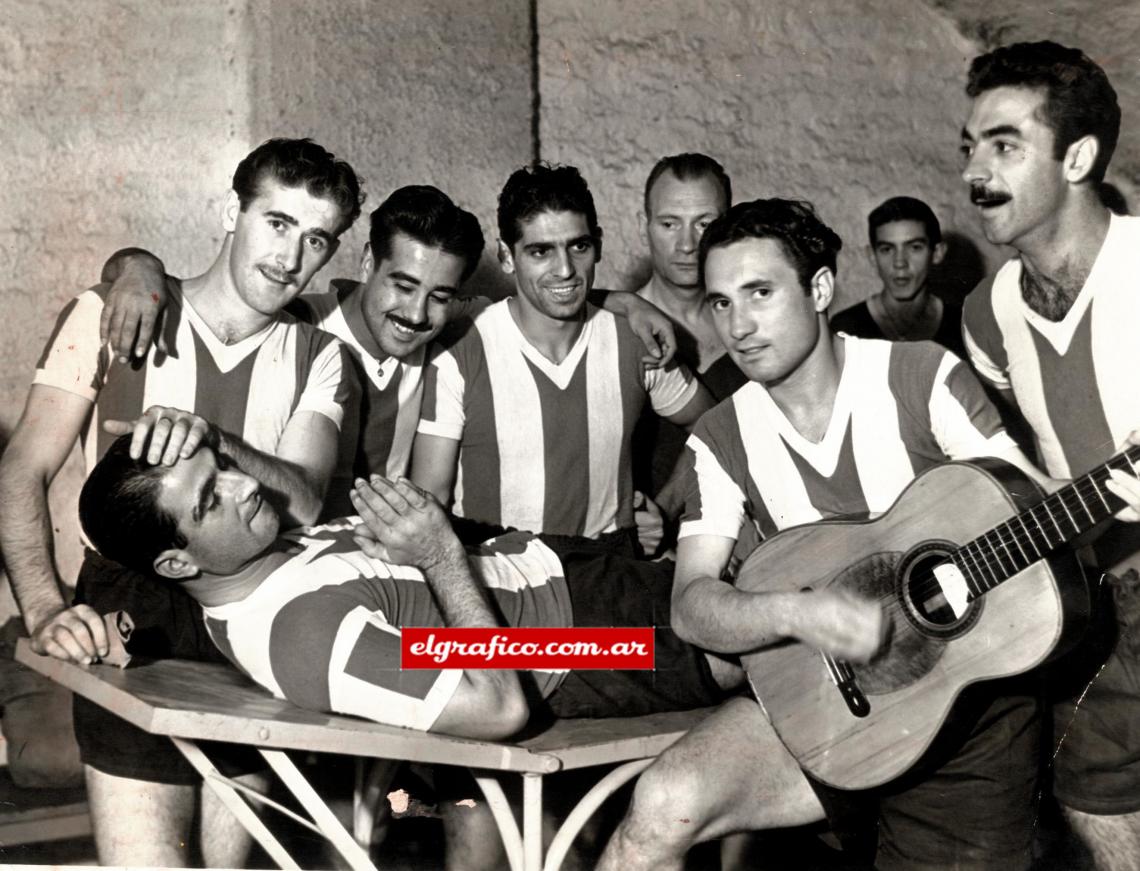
(194, 701)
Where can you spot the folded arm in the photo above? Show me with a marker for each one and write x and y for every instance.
(404, 525)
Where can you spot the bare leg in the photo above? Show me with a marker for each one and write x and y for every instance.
(224, 841)
(729, 774)
(138, 822)
(1113, 841)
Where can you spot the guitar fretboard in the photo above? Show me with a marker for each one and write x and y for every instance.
(1005, 550)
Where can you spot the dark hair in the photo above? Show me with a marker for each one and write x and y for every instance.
(808, 242)
(541, 187)
(300, 163)
(119, 511)
(428, 215)
(1079, 100)
(689, 167)
(904, 209)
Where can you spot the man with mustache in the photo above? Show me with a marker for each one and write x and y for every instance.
(1054, 330)
(277, 384)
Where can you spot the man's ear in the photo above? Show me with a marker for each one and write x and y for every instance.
(1080, 157)
(231, 205)
(367, 264)
(598, 246)
(938, 254)
(822, 288)
(506, 259)
(643, 228)
(175, 564)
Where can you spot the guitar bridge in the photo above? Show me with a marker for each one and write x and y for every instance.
(843, 676)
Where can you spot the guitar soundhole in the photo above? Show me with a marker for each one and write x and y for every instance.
(926, 604)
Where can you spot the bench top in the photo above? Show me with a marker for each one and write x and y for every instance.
(213, 702)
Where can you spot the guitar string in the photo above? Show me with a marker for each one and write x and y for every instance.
(1006, 533)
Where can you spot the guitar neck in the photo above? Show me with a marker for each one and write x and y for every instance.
(999, 554)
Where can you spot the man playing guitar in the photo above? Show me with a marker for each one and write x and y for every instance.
(828, 426)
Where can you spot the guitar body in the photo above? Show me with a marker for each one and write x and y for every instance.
(928, 659)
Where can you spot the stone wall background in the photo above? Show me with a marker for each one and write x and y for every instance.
(123, 119)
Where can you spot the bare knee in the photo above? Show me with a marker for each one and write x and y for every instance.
(668, 806)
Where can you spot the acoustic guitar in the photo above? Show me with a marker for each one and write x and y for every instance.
(970, 567)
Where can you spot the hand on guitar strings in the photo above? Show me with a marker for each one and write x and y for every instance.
(1126, 486)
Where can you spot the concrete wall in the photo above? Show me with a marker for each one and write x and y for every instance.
(411, 91)
(122, 121)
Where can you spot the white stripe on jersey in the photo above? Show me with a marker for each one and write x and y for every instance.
(769, 463)
(606, 424)
(722, 499)
(955, 433)
(881, 458)
(1115, 321)
(518, 418)
(351, 695)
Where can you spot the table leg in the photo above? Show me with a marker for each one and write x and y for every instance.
(235, 803)
(322, 815)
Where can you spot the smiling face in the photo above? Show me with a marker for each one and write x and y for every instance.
(553, 264)
(407, 296)
(679, 213)
(903, 255)
(766, 319)
(1015, 181)
(220, 512)
(280, 241)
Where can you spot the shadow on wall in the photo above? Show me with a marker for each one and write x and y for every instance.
(961, 270)
(489, 281)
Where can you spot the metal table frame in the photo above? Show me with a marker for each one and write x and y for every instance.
(192, 702)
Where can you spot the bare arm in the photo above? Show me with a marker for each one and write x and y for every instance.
(298, 474)
(133, 313)
(649, 323)
(42, 440)
(713, 614)
(435, 460)
(410, 528)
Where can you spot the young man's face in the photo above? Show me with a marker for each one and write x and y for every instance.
(280, 241)
(903, 255)
(766, 319)
(553, 264)
(219, 510)
(407, 295)
(1014, 179)
(679, 213)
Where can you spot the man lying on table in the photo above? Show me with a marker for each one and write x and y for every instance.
(314, 615)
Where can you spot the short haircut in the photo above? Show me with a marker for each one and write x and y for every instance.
(119, 511)
(542, 187)
(904, 209)
(808, 243)
(1079, 100)
(428, 215)
(689, 167)
(300, 163)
